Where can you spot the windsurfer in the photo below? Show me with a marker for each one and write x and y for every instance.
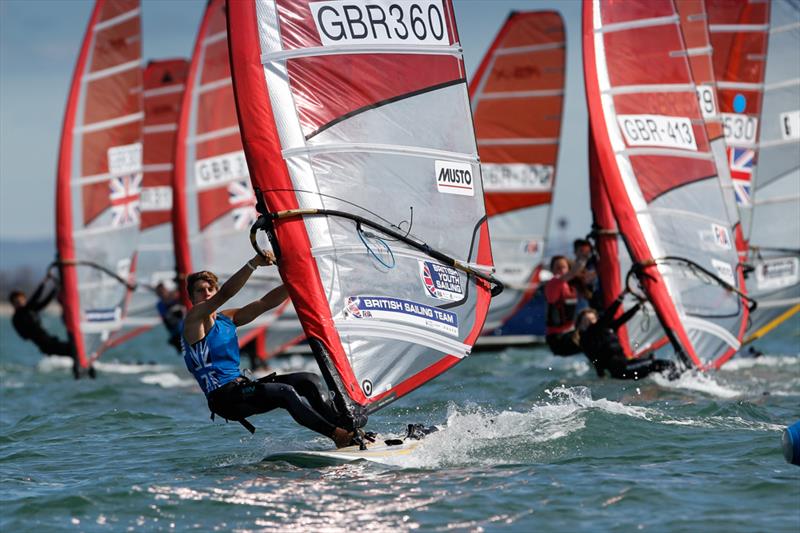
(211, 353)
(586, 284)
(599, 341)
(171, 312)
(28, 323)
(561, 300)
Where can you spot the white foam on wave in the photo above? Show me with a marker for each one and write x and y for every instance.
(167, 380)
(116, 367)
(477, 435)
(724, 422)
(54, 363)
(763, 361)
(700, 382)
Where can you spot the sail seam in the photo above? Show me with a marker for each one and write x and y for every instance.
(737, 28)
(636, 24)
(110, 71)
(100, 26)
(740, 85)
(213, 85)
(377, 148)
(503, 95)
(213, 134)
(667, 152)
(160, 128)
(651, 88)
(512, 50)
(219, 36)
(792, 82)
(527, 141)
(172, 89)
(317, 51)
(110, 123)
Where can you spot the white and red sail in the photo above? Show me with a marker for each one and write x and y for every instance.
(213, 196)
(359, 123)
(659, 171)
(164, 82)
(517, 97)
(774, 232)
(100, 176)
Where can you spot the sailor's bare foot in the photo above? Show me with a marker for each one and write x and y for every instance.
(342, 437)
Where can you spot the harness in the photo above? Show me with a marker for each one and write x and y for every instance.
(241, 380)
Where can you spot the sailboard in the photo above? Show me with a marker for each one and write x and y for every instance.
(100, 178)
(774, 231)
(657, 164)
(362, 152)
(382, 451)
(214, 198)
(517, 97)
(164, 82)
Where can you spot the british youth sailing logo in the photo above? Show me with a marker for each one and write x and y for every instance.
(441, 282)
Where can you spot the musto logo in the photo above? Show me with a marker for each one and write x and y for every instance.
(455, 178)
(380, 22)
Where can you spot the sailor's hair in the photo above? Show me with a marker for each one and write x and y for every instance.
(203, 275)
(581, 242)
(557, 258)
(13, 295)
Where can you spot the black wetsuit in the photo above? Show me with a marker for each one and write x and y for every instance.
(601, 345)
(300, 393)
(28, 325)
(214, 362)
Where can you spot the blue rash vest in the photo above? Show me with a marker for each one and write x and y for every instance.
(213, 360)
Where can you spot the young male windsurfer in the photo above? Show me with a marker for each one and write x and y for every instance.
(211, 353)
(600, 342)
(28, 324)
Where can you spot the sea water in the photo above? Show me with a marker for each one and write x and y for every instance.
(531, 443)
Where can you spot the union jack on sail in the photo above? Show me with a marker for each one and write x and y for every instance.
(124, 196)
(241, 197)
(741, 165)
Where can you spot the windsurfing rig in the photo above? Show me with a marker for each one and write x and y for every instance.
(266, 220)
(638, 270)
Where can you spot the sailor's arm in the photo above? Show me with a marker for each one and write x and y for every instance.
(201, 311)
(251, 311)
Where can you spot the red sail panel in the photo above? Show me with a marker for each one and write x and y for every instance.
(99, 175)
(656, 162)
(164, 82)
(393, 125)
(517, 98)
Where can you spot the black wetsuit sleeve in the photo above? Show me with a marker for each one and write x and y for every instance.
(37, 305)
(627, 315)
(607, 317)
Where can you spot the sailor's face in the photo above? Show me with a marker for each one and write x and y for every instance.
(560, 267)
(19, 302)
(202, 291)
(587, 320)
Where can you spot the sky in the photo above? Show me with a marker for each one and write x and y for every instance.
(39, 43)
